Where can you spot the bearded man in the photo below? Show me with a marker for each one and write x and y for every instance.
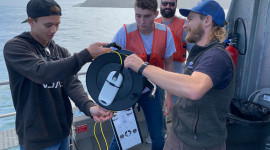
(168, 18)
(206, 87)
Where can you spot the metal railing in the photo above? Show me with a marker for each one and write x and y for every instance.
(8, 115)
(14, 113)
(4, 82)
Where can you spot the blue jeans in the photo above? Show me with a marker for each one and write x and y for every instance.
(63, 145)
(162, 94)
(152, 109)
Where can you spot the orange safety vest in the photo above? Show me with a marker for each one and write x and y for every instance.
(176, 27)
(134, 43)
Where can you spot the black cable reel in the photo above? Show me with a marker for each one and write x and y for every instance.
(112, 86)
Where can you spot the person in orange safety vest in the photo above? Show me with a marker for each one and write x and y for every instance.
(167, 10)
(154, 43)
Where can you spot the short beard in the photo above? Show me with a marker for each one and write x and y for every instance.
(167, 15)
(195, 35)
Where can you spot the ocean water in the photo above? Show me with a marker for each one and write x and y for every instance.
(80, 26)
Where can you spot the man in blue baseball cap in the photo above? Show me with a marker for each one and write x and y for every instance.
(207, 86)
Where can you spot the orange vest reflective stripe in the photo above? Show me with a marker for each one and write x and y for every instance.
(134, 43)
(176, 27)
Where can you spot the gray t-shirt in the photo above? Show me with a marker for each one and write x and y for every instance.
(120, 38)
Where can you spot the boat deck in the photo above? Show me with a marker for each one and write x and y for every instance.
(8, 139)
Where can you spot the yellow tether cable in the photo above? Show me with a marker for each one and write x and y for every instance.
(119, 56)
(102, 135)
(96, 135)
(100, 122)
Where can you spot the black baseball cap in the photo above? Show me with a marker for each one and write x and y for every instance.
(41, 8)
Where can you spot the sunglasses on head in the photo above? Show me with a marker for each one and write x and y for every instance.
(166, 3)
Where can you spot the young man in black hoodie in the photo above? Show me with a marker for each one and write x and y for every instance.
(43, 79)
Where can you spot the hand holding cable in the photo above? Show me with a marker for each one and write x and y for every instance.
(133, 62)
(98, 49)
(100, 114)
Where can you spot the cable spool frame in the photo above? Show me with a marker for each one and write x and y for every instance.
(130, 89)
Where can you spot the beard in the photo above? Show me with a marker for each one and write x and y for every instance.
(194, 35)
(167, 14)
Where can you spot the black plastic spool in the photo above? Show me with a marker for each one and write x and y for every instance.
(132, 85)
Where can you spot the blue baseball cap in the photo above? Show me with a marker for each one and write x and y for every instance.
(208, 7)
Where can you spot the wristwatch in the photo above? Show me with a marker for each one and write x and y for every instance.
(142, 68)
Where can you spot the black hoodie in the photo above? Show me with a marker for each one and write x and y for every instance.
(41, 84)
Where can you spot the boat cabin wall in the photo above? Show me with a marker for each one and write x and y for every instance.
(253, 68)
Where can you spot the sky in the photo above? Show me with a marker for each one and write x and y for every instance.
(24, 2)
(187, 3)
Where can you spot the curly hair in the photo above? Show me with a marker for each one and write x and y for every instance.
(147, 4)
(219, 33)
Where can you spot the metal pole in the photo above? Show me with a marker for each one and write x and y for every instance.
(8, 115)
(4, 82)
